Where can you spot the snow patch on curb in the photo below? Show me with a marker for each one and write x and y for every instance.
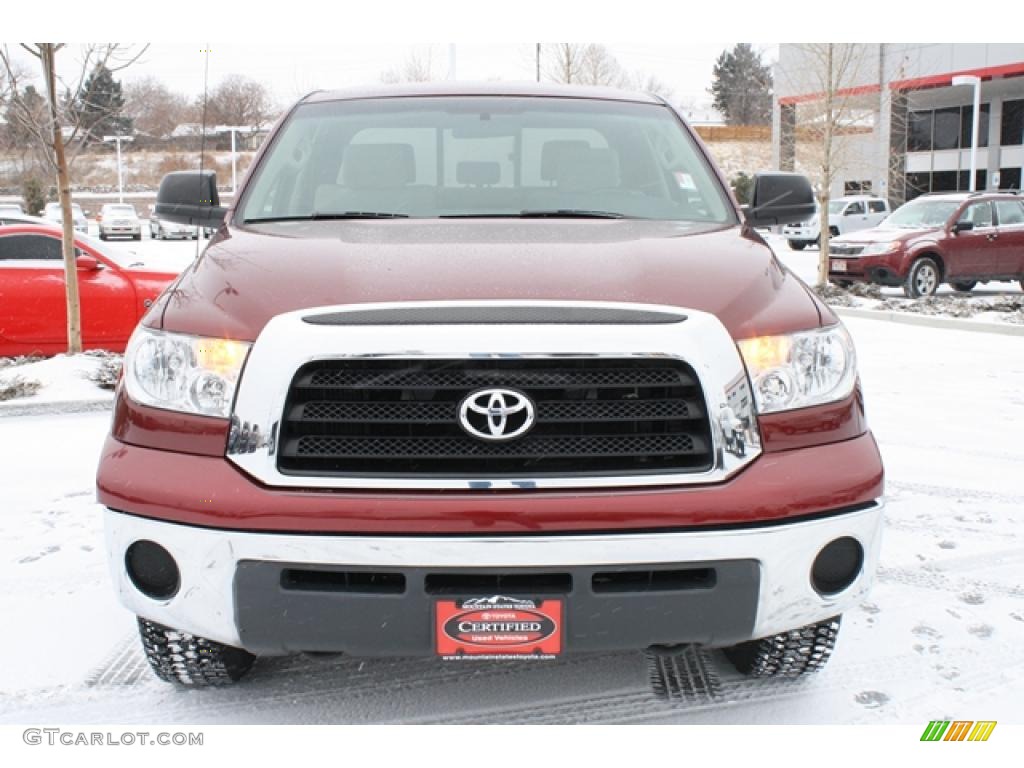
(66, 384)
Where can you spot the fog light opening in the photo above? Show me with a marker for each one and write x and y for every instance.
(152, 570)
(837, 565)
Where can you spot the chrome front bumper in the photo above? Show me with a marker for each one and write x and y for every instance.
(205, 604)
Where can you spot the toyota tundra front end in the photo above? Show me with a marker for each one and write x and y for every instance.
(488, 372)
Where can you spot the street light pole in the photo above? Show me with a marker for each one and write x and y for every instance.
(120, 175)
(975, 123)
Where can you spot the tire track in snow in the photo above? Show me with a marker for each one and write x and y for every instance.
(950, 492)
(936, 579)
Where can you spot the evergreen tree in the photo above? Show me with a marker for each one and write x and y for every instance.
(31, 106)
(99, 106)
(742, 86)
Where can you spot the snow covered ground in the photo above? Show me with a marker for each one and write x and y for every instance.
(939, 637)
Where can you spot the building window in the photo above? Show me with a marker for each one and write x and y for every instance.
(963, 180)
(1011, 130)
(967, 114)
(1009, 178)
(918, 184)
(919, 131)
(946, 129)
(856, 187)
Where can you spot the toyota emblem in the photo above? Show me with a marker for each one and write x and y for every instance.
(497, 414)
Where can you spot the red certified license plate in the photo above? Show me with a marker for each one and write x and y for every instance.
(498, 627)
(838, 265)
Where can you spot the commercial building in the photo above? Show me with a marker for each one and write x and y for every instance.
(906, 128)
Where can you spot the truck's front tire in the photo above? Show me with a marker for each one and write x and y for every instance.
(187, 660)
(787, 654)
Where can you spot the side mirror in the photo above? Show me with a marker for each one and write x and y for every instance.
(190, 197)
(87, 263)
(779, 198)
(962, 226)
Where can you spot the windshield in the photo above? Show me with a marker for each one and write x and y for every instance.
(921, 214)
(836, 206)
(120, 210)
(484, 156)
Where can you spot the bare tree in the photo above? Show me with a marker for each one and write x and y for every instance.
(241, 101)
(154, 108)
(643, 81)
(61, 135)
(583, 63)
(828, 72)
(418, 67)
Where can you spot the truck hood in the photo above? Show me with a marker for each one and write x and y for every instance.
(248, 275)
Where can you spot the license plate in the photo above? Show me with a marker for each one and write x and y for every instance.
(838, 265)
(498, 627)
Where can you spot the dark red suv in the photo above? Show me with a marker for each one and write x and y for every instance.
(961, 239)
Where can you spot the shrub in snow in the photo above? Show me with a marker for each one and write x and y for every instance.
(10, 362)
(106, 374)
(18, 386)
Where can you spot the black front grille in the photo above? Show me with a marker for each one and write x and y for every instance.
(837, 249)
(401, 418)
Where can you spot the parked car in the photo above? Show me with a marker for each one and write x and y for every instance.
(119, 219)
(845, 214)
(33, 312)
(52, 212)
(11, 208)
(958, 238)
(9, 217)
(466, 373)
(163, 229)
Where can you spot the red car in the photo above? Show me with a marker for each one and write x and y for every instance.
(468, 372)
(33, 308)
(961, 239)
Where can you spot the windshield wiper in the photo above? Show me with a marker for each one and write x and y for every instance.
(571, 213)
(332, 216)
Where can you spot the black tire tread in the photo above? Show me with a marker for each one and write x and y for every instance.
(789, 654)
(187, 660)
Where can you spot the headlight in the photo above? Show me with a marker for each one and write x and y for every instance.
(873, 248)
(183, 373)
(800, 369)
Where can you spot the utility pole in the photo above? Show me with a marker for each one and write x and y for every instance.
(538, 62)
(120, 175)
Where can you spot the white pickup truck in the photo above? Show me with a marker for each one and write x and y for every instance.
(845, 214)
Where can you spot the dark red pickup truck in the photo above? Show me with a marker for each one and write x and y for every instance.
(488, 372)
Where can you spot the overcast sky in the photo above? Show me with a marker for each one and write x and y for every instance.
(293, 70)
